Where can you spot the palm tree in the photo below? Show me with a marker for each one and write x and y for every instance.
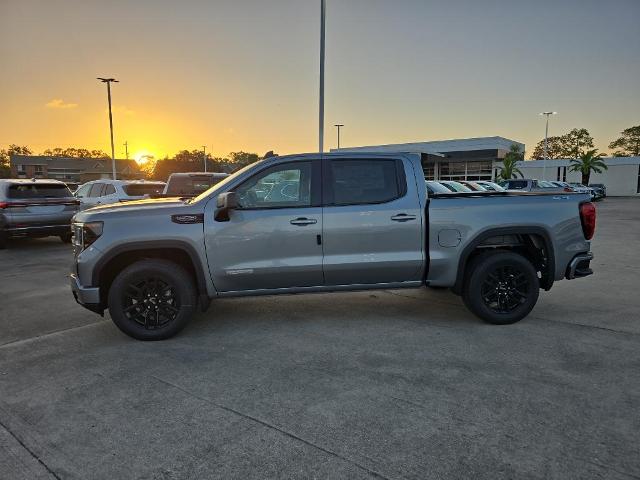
(587, 162)
(508, 170)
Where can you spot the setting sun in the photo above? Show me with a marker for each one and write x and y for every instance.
(143, 157)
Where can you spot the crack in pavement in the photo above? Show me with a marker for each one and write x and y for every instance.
(31, 452)
(264, 423)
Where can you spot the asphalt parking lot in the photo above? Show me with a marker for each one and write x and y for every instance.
(390, 384)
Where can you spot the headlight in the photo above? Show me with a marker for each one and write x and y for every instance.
(84, 234)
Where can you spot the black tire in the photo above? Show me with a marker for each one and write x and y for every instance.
(3, 241)
(152, 299)
(65, 237)
(501, 287)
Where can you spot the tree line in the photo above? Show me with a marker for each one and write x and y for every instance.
(157, 169)
(578, 141)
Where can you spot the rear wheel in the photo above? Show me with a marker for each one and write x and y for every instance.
(3, 240)
(152, 299)
(501, 288)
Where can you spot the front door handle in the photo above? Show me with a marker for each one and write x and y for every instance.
(403, 217)
(302, 221)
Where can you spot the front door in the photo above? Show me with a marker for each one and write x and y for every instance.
(372, 222)
(273, 239)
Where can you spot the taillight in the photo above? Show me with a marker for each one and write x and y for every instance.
(4, 205)
(588, 219)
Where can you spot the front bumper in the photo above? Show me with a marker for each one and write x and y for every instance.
(88, 297)
(579, 266)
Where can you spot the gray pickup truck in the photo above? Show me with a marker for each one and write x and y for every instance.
(336, 222)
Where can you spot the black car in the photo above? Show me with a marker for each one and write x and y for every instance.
(600, 189)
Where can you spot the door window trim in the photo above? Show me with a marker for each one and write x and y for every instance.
(327, 181)
(316, 184)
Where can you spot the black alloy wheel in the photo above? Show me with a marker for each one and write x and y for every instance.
(152, 299)
(501, 287)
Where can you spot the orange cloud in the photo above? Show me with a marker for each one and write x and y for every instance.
(59, 103)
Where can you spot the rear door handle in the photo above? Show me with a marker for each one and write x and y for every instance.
(403, 217)
(302, 221)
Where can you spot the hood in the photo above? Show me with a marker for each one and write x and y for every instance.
(136, 207)
(138, 204)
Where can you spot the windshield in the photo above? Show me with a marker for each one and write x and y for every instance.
(39, 190)
(457, 187)
(140, 189)
(224, 182)
(437, 187)
(191, 184)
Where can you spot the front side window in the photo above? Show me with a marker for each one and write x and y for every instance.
(109, 189)
(83, 191)
(287, 185)
(357, 182)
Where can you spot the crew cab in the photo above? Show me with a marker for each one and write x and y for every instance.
(320, 223)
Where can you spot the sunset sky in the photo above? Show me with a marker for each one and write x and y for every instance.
(243, 74)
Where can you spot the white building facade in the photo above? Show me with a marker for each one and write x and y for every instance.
(622, 177)
(480, 159)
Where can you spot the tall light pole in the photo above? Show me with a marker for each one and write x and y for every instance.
(204, 155)
(321, 106)
(113, 152)
(126, 150)
(338, 125)
(546, 143)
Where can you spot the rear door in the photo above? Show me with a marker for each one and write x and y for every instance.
(372, 222)
(94, 197)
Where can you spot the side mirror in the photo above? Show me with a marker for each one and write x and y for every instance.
(225, 203)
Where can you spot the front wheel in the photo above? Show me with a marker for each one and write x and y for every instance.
(501, 288)
(66, 237)
(152, 299)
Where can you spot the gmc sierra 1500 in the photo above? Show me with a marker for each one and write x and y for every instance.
(317, 223)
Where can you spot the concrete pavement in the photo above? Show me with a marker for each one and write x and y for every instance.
(394, 384)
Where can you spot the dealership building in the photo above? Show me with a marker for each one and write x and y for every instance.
(480, 159)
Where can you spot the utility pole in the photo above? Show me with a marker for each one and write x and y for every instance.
(126, 150)
(204, 154)
(108, 81)
(338, 125)
(321, 99)
(546, 143)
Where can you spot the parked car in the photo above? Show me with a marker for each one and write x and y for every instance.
(600, 188)
(491, 186)
(564, 185)
(191, 184)
(580, 188)
(102, 192)
(455, 186)
(530, 185)
(348, 222)
(435, 187)
(475, 186)
(35, 208)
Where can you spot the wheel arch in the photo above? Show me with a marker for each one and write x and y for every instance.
(117, 258)
(533, 242)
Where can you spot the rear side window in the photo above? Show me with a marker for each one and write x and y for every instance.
(109, 189)
(357, 182)
(39, 190)
(140, 189)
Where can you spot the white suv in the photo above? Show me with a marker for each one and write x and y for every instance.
(101, 192)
